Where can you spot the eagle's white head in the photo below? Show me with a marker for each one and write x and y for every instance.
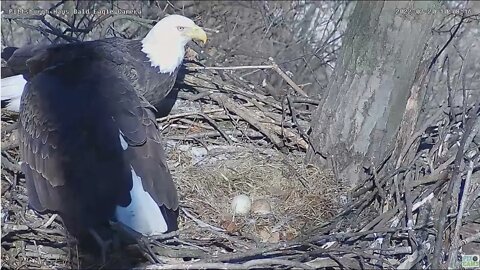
(165, 43)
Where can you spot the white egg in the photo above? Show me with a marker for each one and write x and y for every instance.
(241, 204)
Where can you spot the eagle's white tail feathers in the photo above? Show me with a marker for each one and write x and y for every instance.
(143, 214)
(12, 89)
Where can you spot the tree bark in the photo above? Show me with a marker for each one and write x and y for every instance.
(356, 124)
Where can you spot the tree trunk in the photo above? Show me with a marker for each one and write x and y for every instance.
(356, 124)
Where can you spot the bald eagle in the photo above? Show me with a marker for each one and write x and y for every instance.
(134, 58)
(90, 146)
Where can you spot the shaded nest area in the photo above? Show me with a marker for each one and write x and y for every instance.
(225, 140)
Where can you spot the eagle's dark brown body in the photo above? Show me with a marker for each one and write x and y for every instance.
(82, 102)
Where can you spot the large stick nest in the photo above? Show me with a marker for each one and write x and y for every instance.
(216, 153)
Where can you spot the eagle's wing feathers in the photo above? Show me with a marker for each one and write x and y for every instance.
(73, 113)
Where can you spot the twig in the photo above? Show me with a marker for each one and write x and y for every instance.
(452, 258)
(446, 204)
(257, 264)
(446, 43)
(200, 222)
(408, 197)
(381, 191)
(287, 79)
(410, 261)
(247, 116)
(435, 175)
(211, 134)
(144, 22)
(56, 32)
(231, 68)
(306, 100)
(178, 115)
(216, 127)
(49, 221)
(51, 29)
(327, 263)
(196, 124)
(470, 239)
(303, 134)
(250, 253)
(288, 134)
(274, 66)
(204, 84)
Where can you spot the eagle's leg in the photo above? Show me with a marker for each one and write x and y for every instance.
(104, 245)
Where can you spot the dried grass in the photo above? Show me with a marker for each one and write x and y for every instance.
(302, 197)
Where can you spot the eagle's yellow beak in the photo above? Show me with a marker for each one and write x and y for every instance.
(197, 33)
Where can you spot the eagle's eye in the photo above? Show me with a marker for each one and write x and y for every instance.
(180, 28)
